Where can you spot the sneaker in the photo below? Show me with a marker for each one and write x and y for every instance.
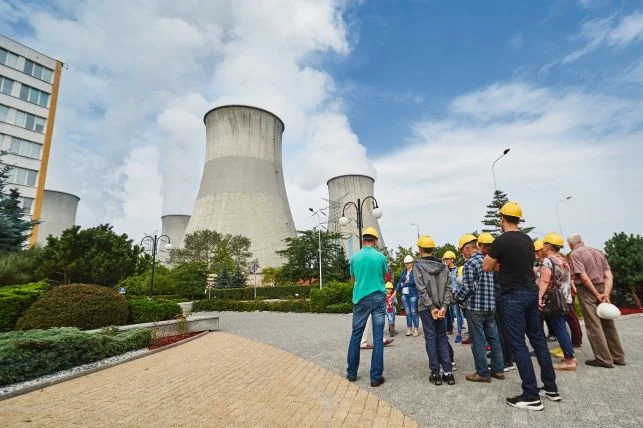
(351, 378)
(408, 332)
(453, 366)
(511, 366)
(377, 382)
(416, 333)
(523, 403)
(449, 379)
(553, 396)
(458, 338)
(435, 379)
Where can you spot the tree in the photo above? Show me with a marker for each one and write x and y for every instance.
(224, 279)
(625, 256)
(189, 279)
(238, 278)
(92, 256)
(492, 217)
(213, 249)
(15, 226)
(272, 276)
(302, 257)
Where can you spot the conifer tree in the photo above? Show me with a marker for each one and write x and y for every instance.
(491, 219)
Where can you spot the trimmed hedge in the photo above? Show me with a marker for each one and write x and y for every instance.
(250, 306)
(285, 292)
(29, 354)
(15, 300)
(339, 308)
(152, 310)
(331, 295)
(76, 305)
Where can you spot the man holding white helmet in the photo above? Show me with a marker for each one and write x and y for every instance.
(593, 279)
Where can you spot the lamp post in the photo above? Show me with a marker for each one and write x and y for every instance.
(318, 243)
(377, 213)
(210, 282)
(154, 242)
(494, 165)
(254, 267)
(418, 226)
(560, 228)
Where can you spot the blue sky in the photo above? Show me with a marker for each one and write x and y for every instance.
(423, 95)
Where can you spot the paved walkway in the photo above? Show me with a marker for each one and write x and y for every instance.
(216, 380)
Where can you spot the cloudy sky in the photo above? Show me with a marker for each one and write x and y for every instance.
(423, 95)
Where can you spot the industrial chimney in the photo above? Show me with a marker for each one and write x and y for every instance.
(58, 213)
(173, 225)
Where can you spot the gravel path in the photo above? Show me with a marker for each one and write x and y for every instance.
(592, 397)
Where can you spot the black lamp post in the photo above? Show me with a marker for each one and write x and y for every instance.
(359, 206)
(493, 165)
(154, 242)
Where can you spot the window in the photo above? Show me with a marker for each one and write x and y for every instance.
(37, 71)
(25, 148)
(34, 95)
(29, 121)
(8, 59)
(6, 85)
(26, 204)
(22, 176)
(4, 110)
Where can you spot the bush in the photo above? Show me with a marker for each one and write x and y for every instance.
(76, 305)
(146, 310)
(250, 306)
(29, 354)
(15, 300)
(331, 294)
(139, 285)
(20, 267)
(286, 292)
(339, 308)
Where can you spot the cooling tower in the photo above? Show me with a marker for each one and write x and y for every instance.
(58, 213)
(173, 225)
(347, 188)
(242, 188)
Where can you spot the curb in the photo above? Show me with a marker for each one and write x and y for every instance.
(95, 369)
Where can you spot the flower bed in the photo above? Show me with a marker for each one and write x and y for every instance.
(630, 311)
(168, 340)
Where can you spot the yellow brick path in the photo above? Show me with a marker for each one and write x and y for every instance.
(216, 380)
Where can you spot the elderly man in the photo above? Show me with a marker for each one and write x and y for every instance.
(368, 268)
(593, 279)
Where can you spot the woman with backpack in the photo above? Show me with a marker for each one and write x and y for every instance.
(554, 293)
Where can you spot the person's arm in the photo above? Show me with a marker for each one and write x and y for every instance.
(588, 284)
(463, 292)
(543, 283)
(489, 264)
(609, 281)
(448, 298)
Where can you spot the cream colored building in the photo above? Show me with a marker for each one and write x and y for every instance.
(29, 82)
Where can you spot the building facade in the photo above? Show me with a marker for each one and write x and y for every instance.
(29, 82)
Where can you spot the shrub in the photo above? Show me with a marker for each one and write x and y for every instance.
(339, 308)
(146, 310)
(250, 306)
(76, 305)
(29, 354)
(15, 300)
(20, 267)
(139, 285)
(331, 294)
(286, 292)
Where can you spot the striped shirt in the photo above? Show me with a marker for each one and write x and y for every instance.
(477, 286)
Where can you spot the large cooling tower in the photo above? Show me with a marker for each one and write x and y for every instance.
(242, 188)
(347, 188)
(173, 226)
(58, 213)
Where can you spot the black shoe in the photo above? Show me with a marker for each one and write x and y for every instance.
(553, 396)
(351, 378)
(449, 379)
(378, 382)
(620, 363)
(435, 379)
(599, 363)
(523, 403)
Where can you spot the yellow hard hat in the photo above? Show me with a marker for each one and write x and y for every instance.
(485, 238)
(554, 239)
(425, 241)
(449, 255)
(511, 209)
(371, 231)
(538, 244)
(465, 239)
(460, 271)
(388, 285)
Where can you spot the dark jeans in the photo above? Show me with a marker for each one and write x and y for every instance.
(482, 329)
(436, 342)
(503, 332)
(450, 318)
(374, 305)
(523, 317)
(574, 326)
(559, 325)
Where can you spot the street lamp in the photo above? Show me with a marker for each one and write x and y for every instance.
(154, 241)
(418, 226)
(493, 166)
(318, 243)
(254, 267)
(377, 213)
(560, 228)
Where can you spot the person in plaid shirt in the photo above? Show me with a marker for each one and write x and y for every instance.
(477, 294)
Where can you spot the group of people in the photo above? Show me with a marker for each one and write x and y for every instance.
(506, 289)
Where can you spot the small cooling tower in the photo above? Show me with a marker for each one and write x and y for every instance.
(242, 188)
(58, 213)
(347, 188)
(173, 225)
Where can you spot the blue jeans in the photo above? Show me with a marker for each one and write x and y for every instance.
(523, 317)
(436, 342)
(482, 329)
(502, 331)
(459, 317)
(410, 302)
(559, 325)
(374, 305)
(390, 317)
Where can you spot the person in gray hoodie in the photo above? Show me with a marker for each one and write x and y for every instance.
(433, 284)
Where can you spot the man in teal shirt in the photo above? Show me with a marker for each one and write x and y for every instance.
(368, 268)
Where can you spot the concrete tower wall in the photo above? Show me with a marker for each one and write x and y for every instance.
(58, 213)
(242, 188)
(173, 226)
(347, 188)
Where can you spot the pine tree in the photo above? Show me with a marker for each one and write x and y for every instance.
(491, 219)
(238, 279)
(15, 227)
(224, 278)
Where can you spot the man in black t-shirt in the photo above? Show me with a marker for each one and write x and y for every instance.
(512, 253)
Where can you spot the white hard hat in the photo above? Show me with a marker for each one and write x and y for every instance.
(408, 259)
(607, 311)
